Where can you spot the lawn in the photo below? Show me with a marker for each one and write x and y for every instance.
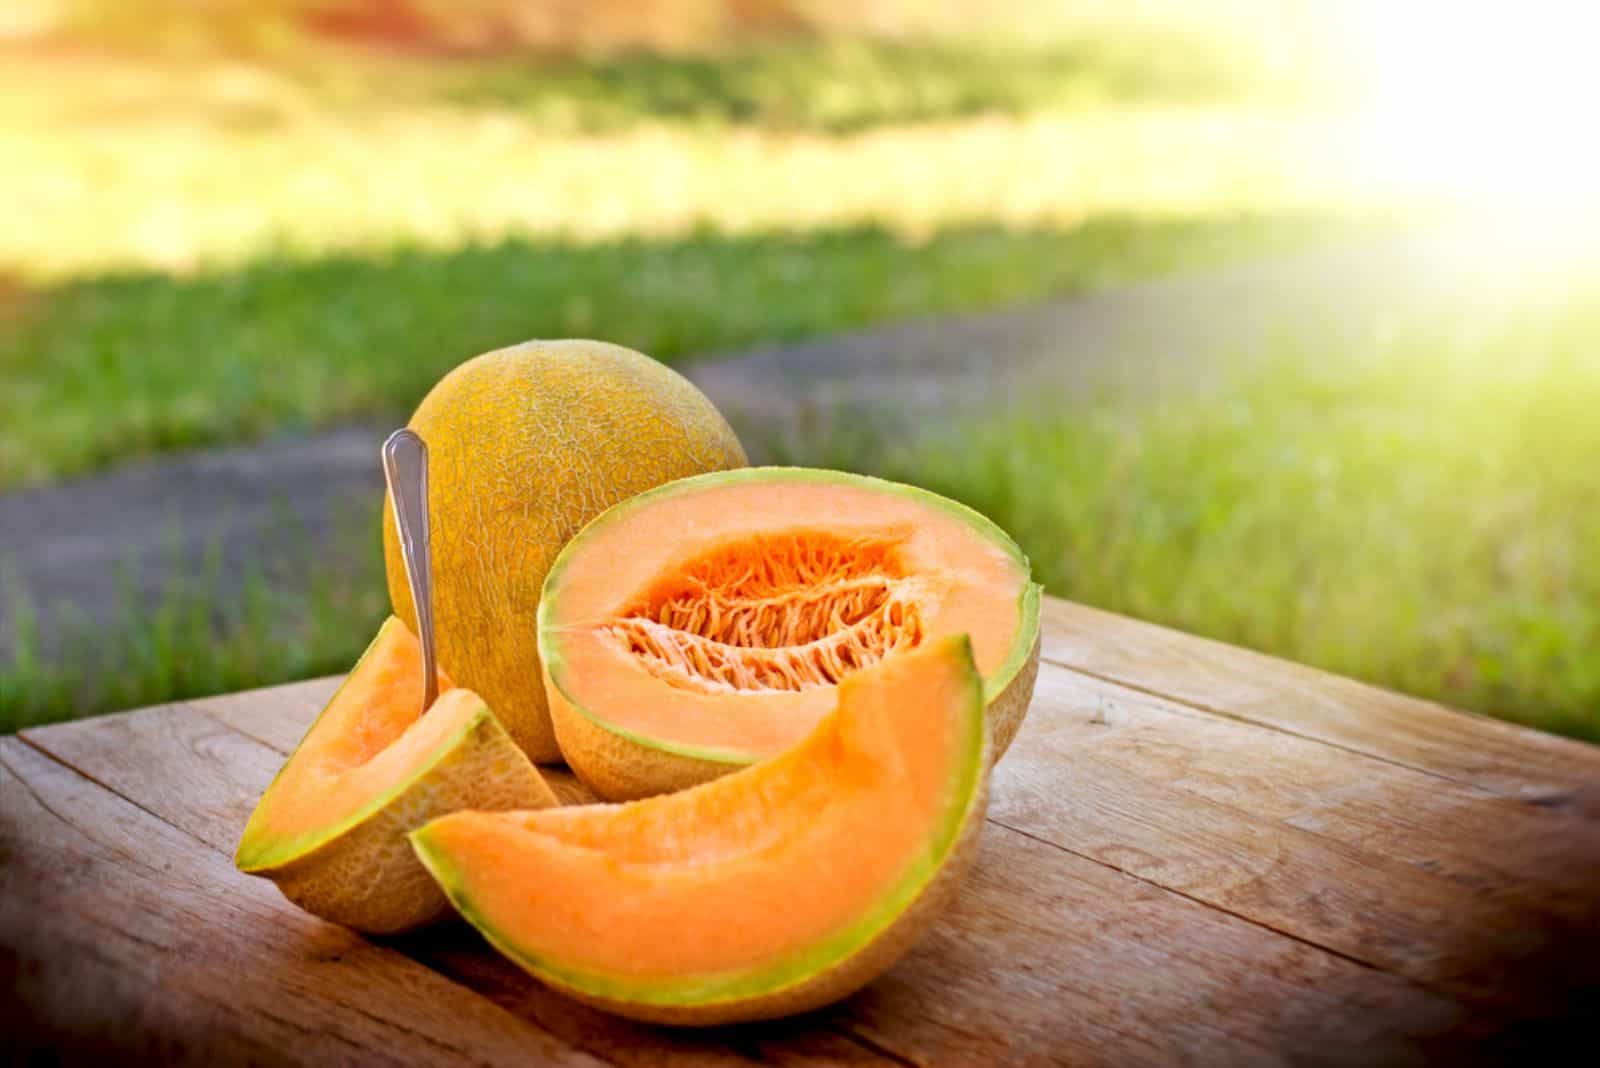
(848, 84)
(1419, 512)
(215, 245)
(1423, 513)
(120, 162)
(220, 249)
(214, 248)
(103, 369)
(193, 641)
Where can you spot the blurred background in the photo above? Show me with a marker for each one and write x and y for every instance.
(1278, 322)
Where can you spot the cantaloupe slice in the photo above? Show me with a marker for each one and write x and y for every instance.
(768, 892)
(330, 830)
(705, 625)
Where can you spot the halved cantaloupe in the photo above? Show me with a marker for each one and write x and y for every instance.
(768, 892)
(705, 625)
(330, 829)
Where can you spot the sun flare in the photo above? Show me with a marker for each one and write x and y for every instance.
(1488, 104)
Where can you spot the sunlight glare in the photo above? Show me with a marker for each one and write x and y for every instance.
(1491, 105)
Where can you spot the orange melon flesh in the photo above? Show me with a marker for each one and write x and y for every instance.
(747, 886)
(714, 617)
(369, 739)
(331, 829)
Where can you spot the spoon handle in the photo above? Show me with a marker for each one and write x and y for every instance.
(405, 468)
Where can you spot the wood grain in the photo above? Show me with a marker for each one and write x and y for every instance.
(201, 777)
(1050, 959)
(1196, 855)
(128, 939)
(1478, 895)
(1047, 956)
(1261, 689)
(276, 716)
(1470, 835)
(1526, 870)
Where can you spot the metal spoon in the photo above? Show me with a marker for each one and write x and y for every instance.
(405, 469)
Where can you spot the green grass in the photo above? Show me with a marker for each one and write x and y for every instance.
(100, 370)
(208, 633)
(842, 85)
(218, 249)
(1419, 514)
(122, 160)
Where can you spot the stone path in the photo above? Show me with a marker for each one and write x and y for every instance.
(87, 552)
(104, 543)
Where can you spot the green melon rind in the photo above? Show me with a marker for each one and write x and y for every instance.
(258, 854)
(769, 980)
(1027, 604)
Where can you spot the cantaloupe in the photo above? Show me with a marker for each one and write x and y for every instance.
(330, 829)
(706, 624)
(526, 444)
(767, 892)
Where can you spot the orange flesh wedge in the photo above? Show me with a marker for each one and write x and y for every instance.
(714, 617)
(370, 740)
(749, 884)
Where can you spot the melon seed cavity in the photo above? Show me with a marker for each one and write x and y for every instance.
(774, 612)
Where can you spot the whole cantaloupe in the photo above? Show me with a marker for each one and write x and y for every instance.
(525, 445)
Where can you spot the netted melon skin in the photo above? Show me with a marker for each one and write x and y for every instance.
(616, 767)
(526, 445)
(369, 878)
(1009, 708)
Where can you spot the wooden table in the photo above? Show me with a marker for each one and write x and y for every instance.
(1194, 854)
